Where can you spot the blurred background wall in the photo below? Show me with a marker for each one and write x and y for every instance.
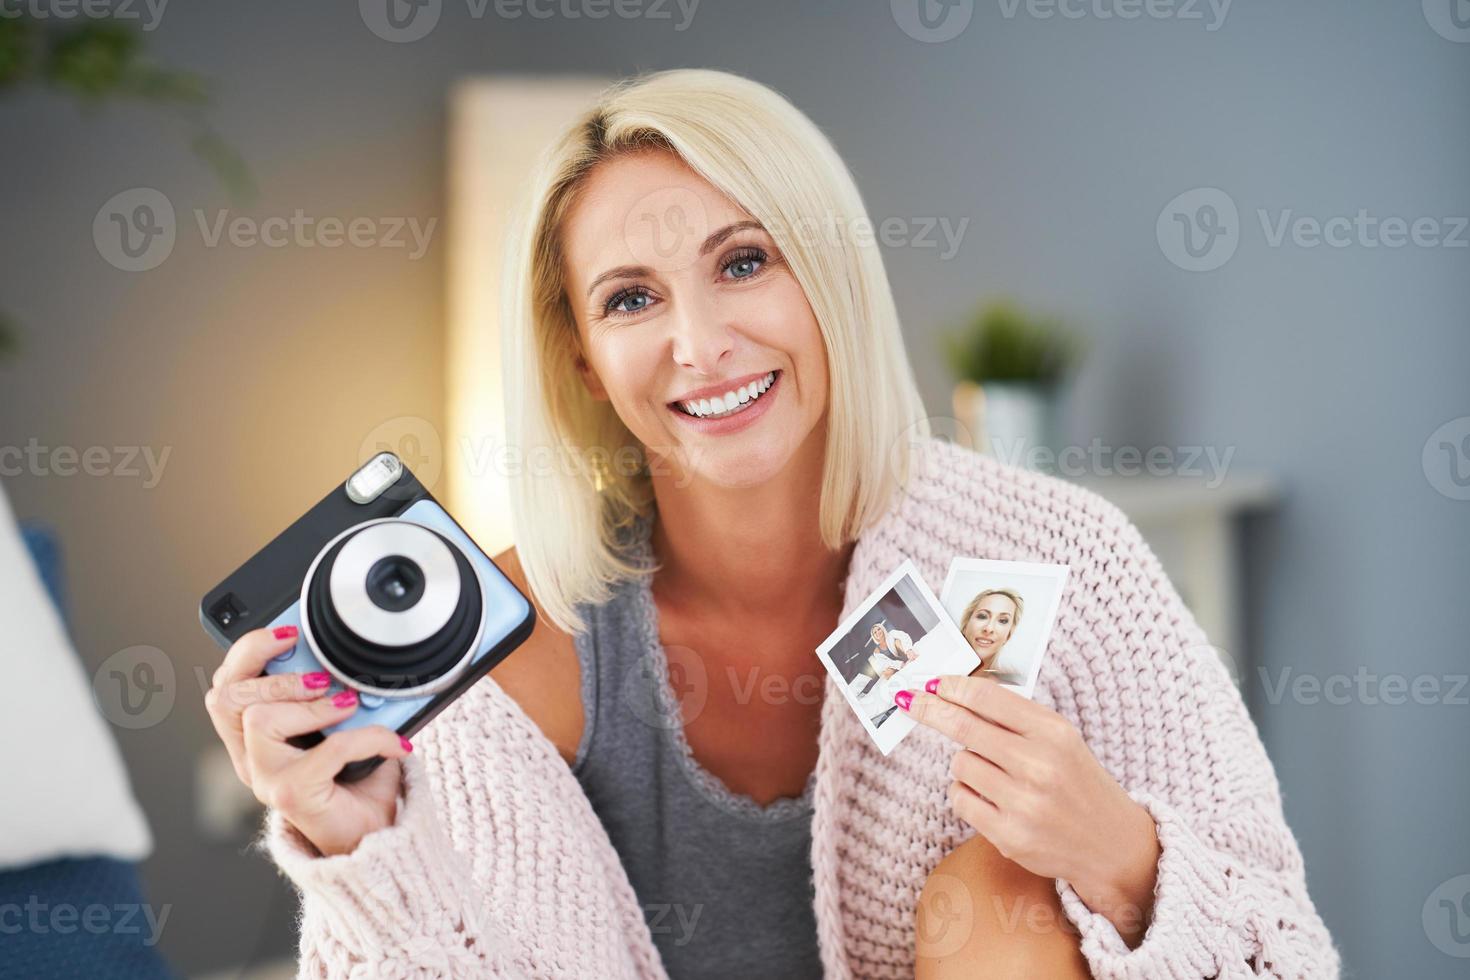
(1060, 139)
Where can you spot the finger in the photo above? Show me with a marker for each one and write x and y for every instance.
(249, 654)
(975, 810)
(982, 776)
(324, 761)
(225, 705)
(988, 698)
(267, 726)
(234, 698)
(996, 743)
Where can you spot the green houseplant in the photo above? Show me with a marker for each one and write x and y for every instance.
(96, 61)
(1010, 365)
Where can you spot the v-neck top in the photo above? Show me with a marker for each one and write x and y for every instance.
(725, 882)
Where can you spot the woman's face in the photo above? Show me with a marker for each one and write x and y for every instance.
(990, 625)
(691, 323)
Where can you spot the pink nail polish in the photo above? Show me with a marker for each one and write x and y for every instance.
(284, 632)
(344, 699)
(317, 681)
(407, 745)
(904, 699)
(932, 686)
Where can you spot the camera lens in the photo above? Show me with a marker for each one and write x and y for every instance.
(395, 583)
(393, 607)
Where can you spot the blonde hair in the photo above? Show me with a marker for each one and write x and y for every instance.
(766, 156)
(1010, 594)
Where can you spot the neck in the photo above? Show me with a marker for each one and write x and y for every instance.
(749, 551)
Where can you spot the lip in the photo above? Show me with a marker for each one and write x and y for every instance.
(738, 421)
(709, 391)
(985, 641)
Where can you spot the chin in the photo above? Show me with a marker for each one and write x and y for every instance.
(741, 469)
(741, 462)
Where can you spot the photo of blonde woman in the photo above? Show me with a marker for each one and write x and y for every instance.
(989, 621)
(894, 650)
(1005, 611)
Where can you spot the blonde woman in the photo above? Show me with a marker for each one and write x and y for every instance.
(643, 791)
(894, 649)
(989, 621)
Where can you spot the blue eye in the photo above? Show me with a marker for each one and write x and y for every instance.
(623, 296)
(744, 259)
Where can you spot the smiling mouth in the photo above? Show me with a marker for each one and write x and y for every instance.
(732, 402)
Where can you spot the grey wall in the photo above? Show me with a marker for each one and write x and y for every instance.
(1060, 140)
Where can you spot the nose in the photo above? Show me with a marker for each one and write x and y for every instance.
(701, 337)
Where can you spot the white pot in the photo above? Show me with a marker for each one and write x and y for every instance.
(1008, 420)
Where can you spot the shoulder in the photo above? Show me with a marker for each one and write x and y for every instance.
(963, 502)
(542, 675)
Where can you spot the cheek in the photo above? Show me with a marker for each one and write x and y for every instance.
(788, 324)
(628, 369)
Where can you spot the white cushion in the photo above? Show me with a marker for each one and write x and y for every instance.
(65, 790)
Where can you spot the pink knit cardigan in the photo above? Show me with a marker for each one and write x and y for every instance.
(497, 865)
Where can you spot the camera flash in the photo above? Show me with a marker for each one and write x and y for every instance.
(373, 477)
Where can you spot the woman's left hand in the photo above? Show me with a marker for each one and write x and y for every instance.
(1028, 783)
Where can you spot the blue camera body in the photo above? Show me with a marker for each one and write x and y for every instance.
(389, 595)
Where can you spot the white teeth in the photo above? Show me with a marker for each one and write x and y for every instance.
(730, 401)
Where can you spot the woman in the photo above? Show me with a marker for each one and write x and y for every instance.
(895, 649)
(989, 621)
(687, 283)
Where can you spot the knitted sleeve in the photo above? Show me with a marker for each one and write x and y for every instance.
(399, 905)
(495, 866)
(1161, 712)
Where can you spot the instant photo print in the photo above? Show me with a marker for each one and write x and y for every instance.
(1005, 610)
(390, 597)
(898, 638)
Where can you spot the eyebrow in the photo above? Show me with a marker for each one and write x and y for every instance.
(710, 244)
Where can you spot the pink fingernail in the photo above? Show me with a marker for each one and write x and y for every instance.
(904, 699)
(316, 681)
(932, 686)
(284, 632)
(344, 699)
(407, 745)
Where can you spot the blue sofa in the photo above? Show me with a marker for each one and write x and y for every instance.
(45, 931)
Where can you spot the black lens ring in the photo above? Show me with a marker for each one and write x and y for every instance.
(390, 667)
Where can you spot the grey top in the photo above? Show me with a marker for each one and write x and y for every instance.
(725, 883)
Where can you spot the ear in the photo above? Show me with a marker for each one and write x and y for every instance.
(590, 379)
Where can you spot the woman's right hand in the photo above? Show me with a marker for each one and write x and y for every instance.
(254, 714)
